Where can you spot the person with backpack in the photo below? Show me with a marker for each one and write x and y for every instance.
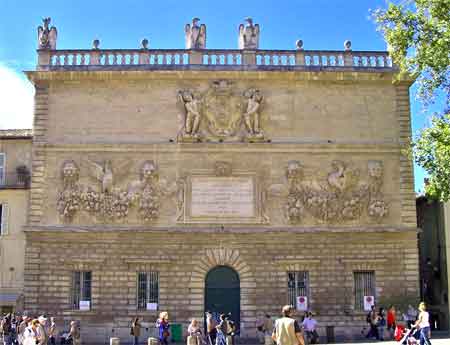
(372, 320)
(6, 329)
(381, 323)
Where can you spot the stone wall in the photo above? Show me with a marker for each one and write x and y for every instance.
(261, 260)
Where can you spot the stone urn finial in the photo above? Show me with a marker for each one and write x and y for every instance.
(96, 44)
(299, 44)
(144, 44)
(348, 45)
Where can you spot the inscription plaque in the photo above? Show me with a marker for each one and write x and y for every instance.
(223, 197)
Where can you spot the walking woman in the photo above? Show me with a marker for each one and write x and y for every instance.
(423, 323)
(136, 330)
(163, 324)
(391, 320)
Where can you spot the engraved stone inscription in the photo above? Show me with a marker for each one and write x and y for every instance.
(223, 197)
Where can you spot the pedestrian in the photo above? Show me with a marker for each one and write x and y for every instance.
(75, 333)
(381, 323)
(211, 328)
(287, 330)
(391, 320)
(6, 329)
(231, 329)
(135, 330)
(268, 329)
(41, 331)
(163, 325)
(310, 328)
(260, 328)
(222, 331)
(423, 323)
(21, 329)
(412, 315)
(53, 332)
(30, 336)
(372, 320)
(194, 333)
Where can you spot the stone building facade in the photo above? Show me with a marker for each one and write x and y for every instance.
(15, 167)
(223, 180)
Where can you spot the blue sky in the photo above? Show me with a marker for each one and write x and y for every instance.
(321, 24)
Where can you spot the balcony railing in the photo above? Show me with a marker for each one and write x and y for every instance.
(212, 59)
(15, 181)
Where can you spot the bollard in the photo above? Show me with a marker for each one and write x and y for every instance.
(152, 341)
(114, 341)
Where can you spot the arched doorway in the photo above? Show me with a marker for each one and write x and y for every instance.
(223, 293)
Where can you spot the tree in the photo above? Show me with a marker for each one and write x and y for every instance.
(418, 37)
(432, 152)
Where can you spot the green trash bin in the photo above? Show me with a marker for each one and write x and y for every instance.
(177, 332)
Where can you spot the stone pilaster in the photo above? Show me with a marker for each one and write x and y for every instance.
(407, 195)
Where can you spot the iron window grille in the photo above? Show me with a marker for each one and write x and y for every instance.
(364, 286)
(147, 289)
(81, 287)
(298, 285)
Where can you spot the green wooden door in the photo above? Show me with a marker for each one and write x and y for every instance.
(222, 293)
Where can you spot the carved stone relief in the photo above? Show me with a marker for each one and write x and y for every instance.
(221, 113)
(343, 196)
(107, 201)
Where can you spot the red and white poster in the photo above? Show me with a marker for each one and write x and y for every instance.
(369, 301)
(302, 303)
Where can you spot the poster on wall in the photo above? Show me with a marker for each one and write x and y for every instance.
(85, 305)
(369, 301)
(302, 303)
(152, 306)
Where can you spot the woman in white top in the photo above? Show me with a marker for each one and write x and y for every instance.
(423, 323)
(30, 336)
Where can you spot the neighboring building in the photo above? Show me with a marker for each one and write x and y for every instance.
(15, 162)
(223, 180)
(433, 259)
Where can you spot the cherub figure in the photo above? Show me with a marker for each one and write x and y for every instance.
(195, 35)
(249, 35)
(193, 116)
(47, 36)
(252, 113)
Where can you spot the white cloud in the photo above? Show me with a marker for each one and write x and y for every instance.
(16, 99)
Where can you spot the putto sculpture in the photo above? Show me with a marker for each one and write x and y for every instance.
(249, 35)
(195, 35)
(252, 114)
(192, 115)
(47, 36)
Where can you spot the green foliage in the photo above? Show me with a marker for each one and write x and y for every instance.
(418, 37)
(432, 152)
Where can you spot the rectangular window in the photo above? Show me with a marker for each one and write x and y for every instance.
(147, 289)
(364, 286)
(2, 168)
(3, 219)
(81, 289)
(298, 285)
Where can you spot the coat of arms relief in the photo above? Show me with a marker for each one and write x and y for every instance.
(221, 113)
